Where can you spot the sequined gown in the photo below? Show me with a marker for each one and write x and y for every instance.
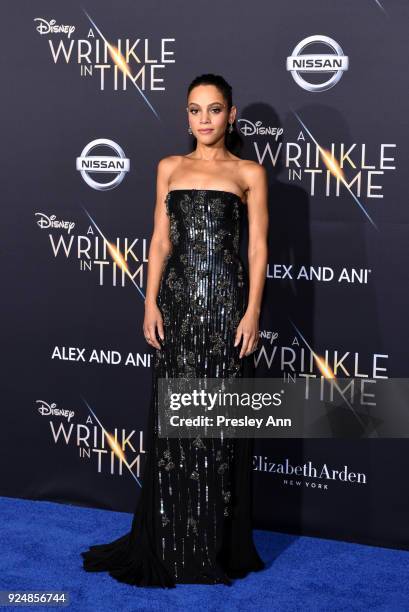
(192, 523)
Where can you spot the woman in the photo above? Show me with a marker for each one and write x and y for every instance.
(192, 523)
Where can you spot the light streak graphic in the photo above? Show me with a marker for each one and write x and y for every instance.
(334, 168)
(119, 61)
(327, 373)
(113, 443)
(380, 6)
(115, 254)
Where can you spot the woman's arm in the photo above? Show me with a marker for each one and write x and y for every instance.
(257, 206)
(159, 248)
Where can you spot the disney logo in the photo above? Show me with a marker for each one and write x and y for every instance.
(45, 221)
(269, 335)
(49, 27)
(46, 409)
(249, 129)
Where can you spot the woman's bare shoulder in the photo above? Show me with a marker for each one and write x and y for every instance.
(249, 163)
(167, 165)
(170, 161)
(252, 170)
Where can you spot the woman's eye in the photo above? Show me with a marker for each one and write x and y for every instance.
(216, 110)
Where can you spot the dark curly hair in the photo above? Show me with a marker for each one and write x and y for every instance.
(233, 141)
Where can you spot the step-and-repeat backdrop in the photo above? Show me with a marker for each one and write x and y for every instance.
(93, 96)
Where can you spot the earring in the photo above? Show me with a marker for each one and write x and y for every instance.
(230, 128)
(189, 129)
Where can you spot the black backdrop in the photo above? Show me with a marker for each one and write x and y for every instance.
(74, 358)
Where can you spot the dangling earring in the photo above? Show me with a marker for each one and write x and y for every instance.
(230, 128)
(189, 129)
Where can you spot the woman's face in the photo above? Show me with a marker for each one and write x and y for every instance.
(208, 114)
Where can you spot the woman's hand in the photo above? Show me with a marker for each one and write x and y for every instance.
(153, 321)
(248, 330)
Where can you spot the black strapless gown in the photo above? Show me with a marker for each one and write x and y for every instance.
(192, 523)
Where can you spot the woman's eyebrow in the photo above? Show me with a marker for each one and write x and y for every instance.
(207, 105)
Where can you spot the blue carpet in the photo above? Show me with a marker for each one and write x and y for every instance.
(41, 544)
